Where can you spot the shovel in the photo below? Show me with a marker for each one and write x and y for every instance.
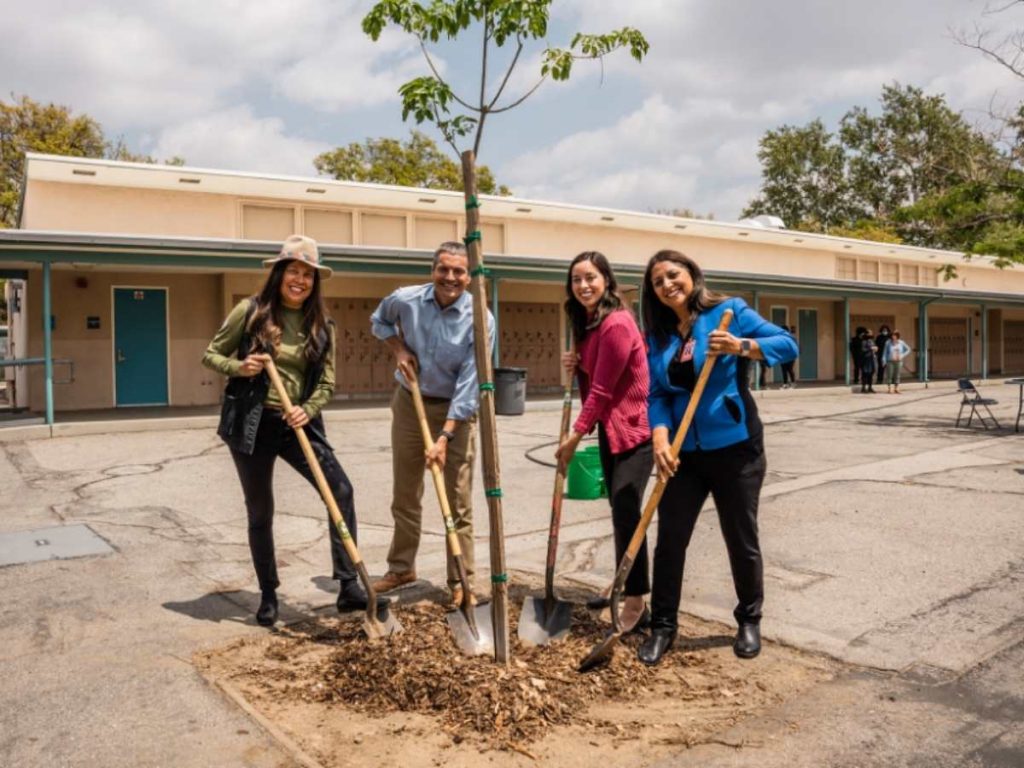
(471, 625)
(378, 622)
(548, 619)
(602, 652)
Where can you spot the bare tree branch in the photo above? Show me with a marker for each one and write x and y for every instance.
(520, 100)
(508, 74)
(430, 61)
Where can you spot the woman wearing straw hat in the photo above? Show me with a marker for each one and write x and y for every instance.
(287, 320)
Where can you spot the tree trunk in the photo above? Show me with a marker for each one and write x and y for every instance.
(488, 425)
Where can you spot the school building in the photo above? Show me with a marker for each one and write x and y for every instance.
(119, 274)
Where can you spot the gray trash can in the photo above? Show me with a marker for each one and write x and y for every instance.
(509, 391)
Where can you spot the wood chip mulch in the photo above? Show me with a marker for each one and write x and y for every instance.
(422, 671)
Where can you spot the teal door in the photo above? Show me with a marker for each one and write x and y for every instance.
(807, 334)
(779, 318)
(140, 346)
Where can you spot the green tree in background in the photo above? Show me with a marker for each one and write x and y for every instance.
(917, 172)
(418, 162)
(31, 126)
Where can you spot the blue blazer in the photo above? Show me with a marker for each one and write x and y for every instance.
(726, 414)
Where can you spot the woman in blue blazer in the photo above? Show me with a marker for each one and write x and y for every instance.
(723, 452)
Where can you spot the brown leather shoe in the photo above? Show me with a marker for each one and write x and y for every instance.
(455, 598)
(393, 580)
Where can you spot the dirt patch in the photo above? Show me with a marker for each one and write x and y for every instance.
(414, 700)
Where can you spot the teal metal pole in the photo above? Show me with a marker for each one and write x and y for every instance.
(846, 338)
(757, 363)
(984, 342)
(48, 342)
(496, 357)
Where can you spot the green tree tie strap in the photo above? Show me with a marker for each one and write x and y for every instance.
(472, 202)
(471, 236)
(487, 387)
(481, 270)
(499, 578)
(494, 493)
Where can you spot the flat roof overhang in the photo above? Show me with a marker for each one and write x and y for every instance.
(24, 249)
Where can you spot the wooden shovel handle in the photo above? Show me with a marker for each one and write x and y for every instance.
(315, 468)
(435, 471)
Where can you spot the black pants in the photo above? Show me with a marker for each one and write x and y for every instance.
(867, 379)
(275, 438)
(788, 377)
(733, 476)
(626, 476)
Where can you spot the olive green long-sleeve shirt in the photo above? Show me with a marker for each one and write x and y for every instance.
(290, 360)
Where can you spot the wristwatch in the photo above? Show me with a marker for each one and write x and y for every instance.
(448, 436)
(744, 347)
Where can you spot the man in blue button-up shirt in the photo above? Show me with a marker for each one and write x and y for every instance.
(431, 327)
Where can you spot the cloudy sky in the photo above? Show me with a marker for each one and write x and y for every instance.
(265, 85)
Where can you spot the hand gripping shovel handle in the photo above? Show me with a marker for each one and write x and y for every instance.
(607, 645)
(325, 492)
(442, 498)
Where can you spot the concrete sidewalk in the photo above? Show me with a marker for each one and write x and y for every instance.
(893, 541)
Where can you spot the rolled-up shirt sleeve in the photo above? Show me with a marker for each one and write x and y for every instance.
(466, 398)
(383, 321)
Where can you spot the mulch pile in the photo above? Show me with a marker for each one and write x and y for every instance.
(421, 670)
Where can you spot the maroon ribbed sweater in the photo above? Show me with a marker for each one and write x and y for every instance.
(613, 382)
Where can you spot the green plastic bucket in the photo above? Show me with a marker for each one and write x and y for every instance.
(586, 478)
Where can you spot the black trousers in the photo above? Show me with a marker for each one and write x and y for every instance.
(788, 376)
(867, 378)
(256, 472)
(626, 475)
(733, 476)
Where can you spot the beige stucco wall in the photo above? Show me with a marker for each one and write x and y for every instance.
(80, 208)
(194, 313)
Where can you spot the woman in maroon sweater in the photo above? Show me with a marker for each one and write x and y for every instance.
(611, 364)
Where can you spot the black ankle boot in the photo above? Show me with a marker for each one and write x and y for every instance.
(653, 648)
(748, 641)
(352, 597)
(598, 603)
(266, 614)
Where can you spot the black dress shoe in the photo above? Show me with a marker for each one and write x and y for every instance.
(653, 648)
(352, 597)
(748, 641)
(598, 603)
(266, 614)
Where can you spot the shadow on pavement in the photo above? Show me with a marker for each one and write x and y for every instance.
(237, 606)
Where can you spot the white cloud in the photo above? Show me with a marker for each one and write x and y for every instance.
(236, 139)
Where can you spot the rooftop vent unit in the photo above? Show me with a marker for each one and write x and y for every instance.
(764, 222)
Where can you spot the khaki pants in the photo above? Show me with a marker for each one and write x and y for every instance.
(408, 469)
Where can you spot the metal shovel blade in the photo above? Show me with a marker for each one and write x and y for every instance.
(383, 624)
(540, 626)
(470, 642)
(601, 653)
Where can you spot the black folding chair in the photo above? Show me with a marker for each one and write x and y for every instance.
(972, 399)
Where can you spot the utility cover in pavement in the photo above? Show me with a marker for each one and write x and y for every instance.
(59, 543)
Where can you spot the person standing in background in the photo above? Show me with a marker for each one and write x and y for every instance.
(788, 375)
(881, 339)
(893, 354)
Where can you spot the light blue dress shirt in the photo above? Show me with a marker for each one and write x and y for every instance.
(441, 339)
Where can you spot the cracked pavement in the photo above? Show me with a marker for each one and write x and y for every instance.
(893, 543)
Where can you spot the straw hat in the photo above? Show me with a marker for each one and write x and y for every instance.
(300, 248)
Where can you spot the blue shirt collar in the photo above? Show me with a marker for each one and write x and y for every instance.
(461, 304)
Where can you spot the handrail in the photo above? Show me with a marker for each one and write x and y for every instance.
(42, 361)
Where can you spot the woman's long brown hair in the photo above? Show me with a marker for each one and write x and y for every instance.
(661, 321)
(265, 324)
(610, 301)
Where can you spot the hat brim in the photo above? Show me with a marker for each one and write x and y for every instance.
(325, 272)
